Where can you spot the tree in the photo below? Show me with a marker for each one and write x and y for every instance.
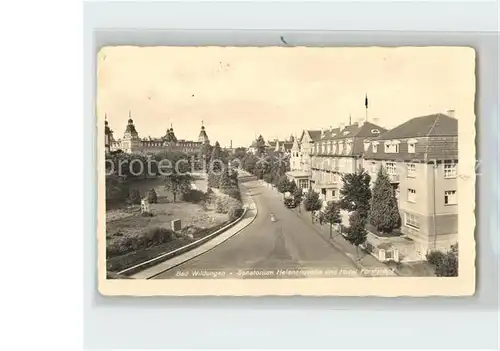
(216, 166)
(178, 184)
(356, 233)
(293, 187)
(152, 197)
(225, 181)
(249, 163)
(261, 145)
(134, 196)
(312, 202)
(355, 193)
(297, 196)
(332, 214)
(284, 184)
(445, 264)
(384, 214)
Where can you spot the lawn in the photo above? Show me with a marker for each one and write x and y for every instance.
(132, 238)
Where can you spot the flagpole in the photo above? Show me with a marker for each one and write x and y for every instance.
(366, 107)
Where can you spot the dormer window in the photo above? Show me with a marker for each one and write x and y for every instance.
(374, 147)
(366, 145)
(411, 146)
(346, 132)
(348, 146)
(391, 147)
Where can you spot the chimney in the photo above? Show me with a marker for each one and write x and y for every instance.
(230, 144)
(451, 113)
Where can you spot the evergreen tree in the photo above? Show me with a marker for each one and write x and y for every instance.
(332, 214)
(216, 166)
(384, 214)
(355, 193)
(297, 196)
(225, 181)
(356, 233)
(293, 187)
(312, 202)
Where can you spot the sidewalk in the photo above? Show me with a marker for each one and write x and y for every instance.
(339, 242)
(251, 213)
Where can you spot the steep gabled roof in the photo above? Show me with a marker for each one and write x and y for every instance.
(436, 138)
(425, 126)
(315, 135)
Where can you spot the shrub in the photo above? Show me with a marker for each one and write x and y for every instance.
(134, 196)
(445, 264)
(225, 203)
(152, 197)
(116, 190)
(235, 213)
(148, 238)
(233, 192)
(435, 257)
(146, 214)
(193, 196)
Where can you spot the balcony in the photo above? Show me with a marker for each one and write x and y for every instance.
(394, 178)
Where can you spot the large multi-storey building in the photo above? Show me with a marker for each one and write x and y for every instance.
(322, 156)
(132, 143)
(339, 151)
(421, 158)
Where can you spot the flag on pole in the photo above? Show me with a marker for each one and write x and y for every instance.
(366, 100)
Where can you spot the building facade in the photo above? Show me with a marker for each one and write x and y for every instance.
(421, 159)
(132, 143)
(321, 157)
(339, 151)
(300, 158)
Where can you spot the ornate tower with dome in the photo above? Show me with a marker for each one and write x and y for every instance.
(131, 141)
(203, 137)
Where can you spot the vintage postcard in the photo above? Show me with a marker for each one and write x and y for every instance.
(286, 171)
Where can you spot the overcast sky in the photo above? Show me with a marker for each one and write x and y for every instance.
(243, 92)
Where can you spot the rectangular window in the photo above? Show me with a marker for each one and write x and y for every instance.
(412, 195)
(374, 148)
(450, 197)
(396, 148)
(411, 221)
(411, 148)
(373, 167)
(387, 148)
(450, 170)
(411, 168)
(391, 168)
(334, 194)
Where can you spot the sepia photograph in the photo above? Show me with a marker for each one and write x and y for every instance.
(325, 171)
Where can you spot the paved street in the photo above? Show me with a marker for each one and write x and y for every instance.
(287, 244)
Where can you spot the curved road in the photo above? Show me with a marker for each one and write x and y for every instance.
(289, 243)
